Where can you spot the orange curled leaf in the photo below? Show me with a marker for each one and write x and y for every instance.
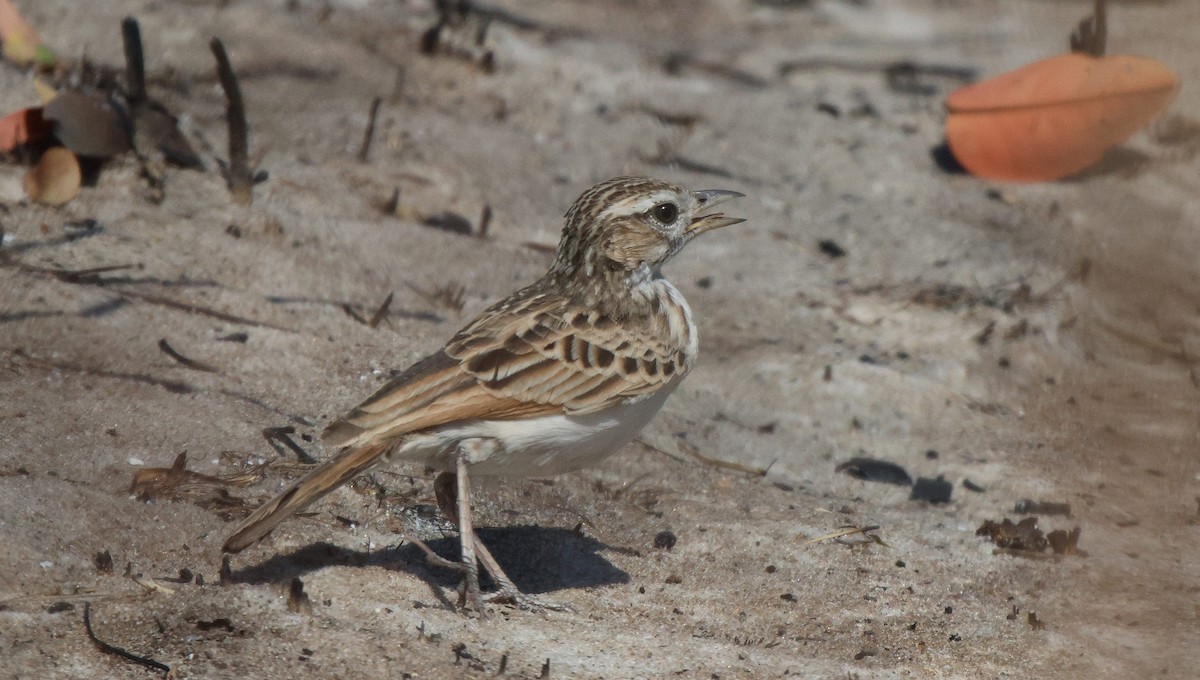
(25, 125)
(1056, 116)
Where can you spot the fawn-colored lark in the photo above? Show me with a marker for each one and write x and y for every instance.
(553, 378)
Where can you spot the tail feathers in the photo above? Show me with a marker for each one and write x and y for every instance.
(306, 491)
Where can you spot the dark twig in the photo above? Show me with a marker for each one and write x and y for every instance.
(1091, 36)
(381, 312)
(364, 150)
(298, 600)
(114, 650)
(353, 313)
(173, 386)
(390, 206)
(238, 175)
(202, 311)
(449, 295)
(282, 435)
(91, 277)
(154, 128)
(135, 61)
(676, 62)
(960, 74)
(485, 220)
(186, 362)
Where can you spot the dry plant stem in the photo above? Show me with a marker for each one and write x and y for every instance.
(353, 314)
(135, 61)
(381, 313)
(196, 309)
(364, 151)
(844, 531)
(694, 452)
(1091, 36)
(282, 435)
(170, 351)
(485, 220)
(238, 176)
(114, 650)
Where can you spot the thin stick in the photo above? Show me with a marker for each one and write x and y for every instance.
(238, 175)
(114, 650)
(364, 150)
(1091, 36)
(845, 531)
(434, 558)
(694, 452)
(485, 220)
(167, 349)
(135, 61)
(282, 436)
(381, 312)
(199, 310)
(353, 313)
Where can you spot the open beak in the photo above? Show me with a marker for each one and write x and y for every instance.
(705, 200)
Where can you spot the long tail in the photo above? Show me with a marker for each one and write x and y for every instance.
(307, 490)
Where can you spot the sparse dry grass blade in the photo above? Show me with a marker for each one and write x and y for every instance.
(239, 176)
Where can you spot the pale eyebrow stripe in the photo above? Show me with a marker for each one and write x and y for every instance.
(641, 205)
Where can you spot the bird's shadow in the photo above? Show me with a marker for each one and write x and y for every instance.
(537, 559)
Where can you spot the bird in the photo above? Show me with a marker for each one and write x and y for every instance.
(553, 378)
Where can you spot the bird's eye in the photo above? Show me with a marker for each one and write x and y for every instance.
(665, 212)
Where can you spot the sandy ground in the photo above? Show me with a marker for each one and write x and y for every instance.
(1038, 341)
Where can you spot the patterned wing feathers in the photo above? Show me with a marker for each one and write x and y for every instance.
(529, 356)
(578, 360)
(435, 391)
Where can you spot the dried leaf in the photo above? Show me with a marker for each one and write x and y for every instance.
(1054, 117)
(206, 491)
(56, 178)
(1024, 535)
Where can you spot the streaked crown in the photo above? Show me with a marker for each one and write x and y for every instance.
(627, 227)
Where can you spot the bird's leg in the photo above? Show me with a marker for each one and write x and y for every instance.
(507, 592)
(443, 486)
(466, 535)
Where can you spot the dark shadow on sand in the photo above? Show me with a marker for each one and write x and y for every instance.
(537, 559)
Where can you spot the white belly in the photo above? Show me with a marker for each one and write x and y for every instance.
(536, 447)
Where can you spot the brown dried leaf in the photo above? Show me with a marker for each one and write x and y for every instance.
(1024, 535)
(179, 483)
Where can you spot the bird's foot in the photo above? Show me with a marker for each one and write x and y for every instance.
(515, 598)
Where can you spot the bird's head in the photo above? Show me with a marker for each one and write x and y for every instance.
(635, 224)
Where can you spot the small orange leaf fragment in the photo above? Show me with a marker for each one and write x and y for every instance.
(25, 125)
(55, 179)
(1056, 116)
(21, 43)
